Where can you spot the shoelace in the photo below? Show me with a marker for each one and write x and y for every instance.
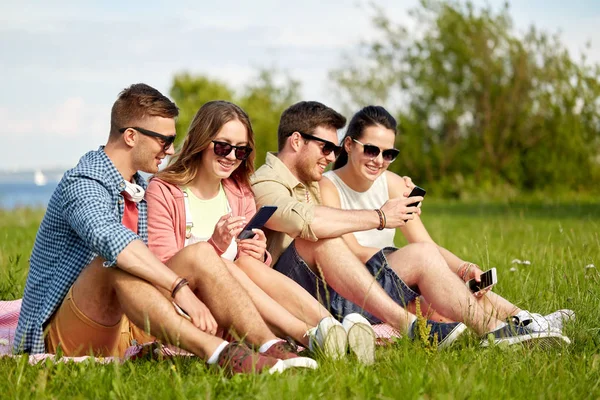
(236, 353)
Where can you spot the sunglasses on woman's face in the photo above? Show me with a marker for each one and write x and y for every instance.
(327, 147)
(373, 151)
(222, 149)
(165, 140)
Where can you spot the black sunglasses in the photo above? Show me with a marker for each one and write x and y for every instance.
(167, 141)
(373, 151)
(222, 149)
(326, 149)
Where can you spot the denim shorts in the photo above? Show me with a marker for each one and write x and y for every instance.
(293, 266)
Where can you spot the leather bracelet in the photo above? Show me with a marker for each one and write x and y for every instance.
(381, 216)
(183, 282)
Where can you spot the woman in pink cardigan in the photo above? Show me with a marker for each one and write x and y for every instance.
(204, 195)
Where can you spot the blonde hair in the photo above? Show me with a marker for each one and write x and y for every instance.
(207, 122)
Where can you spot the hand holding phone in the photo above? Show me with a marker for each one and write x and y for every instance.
(417, 191)
(488, 278)
(257, 222)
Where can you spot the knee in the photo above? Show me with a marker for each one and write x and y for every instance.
(425, 254)
(202, 256)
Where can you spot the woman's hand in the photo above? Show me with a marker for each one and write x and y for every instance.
(472, 271)
(255, 247)
(227, 228)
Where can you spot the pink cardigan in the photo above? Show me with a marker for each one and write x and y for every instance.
(166, 215)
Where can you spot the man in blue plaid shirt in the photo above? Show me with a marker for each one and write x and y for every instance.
(92, 281)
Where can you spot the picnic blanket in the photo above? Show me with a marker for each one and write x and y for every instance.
(9, 317)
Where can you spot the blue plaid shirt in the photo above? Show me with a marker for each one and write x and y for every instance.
(83, 221)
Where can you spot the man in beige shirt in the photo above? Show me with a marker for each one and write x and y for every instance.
(305, 239)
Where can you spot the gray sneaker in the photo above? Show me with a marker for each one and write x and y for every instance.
(329, 337)
(361, 337)
(446, 333)
(510, 334)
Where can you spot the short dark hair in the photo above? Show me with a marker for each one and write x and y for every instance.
(137, 102)
(365, 118)
(305, 117)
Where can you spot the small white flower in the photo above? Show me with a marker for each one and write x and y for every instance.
(526, 262)
(516, 261)
(513, 269)
(589, 266)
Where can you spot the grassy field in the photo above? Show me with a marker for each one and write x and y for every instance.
(559, 240)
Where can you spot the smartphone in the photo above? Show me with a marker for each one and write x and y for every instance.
(488, 278)
(181, 312)
(417, 191)
(257, 222)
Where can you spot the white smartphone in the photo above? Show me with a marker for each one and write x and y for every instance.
(488, 278)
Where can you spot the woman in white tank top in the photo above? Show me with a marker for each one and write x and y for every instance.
(360, 180)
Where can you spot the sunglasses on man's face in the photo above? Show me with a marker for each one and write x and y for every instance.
(327, 147)
(373, 151)
(165, 140)
(222, 149)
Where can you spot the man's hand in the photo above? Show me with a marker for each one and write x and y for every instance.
(226, 229)
(397, 212)
(200, 314)
(254, 247)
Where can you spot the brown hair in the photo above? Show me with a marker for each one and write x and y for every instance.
(305, 117)
(207, 122)
(137, 102)
(365, 118)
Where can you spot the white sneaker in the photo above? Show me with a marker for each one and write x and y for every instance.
(361, 337)
(329, 337)
(549, 323)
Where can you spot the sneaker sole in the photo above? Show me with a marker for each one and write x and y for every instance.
(297, 362)
(361, 340)
(448, 340)
(335, 343)
(543, 340)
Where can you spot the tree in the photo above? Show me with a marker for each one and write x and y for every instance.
(478, 105)
(264, 99)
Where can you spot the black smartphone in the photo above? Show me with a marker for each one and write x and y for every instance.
(257, 222)
(488, 278)
(417, 191)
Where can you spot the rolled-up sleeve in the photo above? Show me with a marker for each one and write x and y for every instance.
(292, 216)
(91, 213)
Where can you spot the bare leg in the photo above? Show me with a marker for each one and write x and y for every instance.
(214, 285)
(344, 272)
(104, 294)
(273, 313)
(284, 291)
(492, 303)
(422, 264)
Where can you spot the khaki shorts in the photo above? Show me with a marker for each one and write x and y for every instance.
(77, 335)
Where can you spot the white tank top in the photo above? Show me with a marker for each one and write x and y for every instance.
(371, 199)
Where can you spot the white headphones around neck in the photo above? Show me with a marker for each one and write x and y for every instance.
(133, 192)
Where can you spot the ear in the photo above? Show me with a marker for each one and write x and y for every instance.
(130, 137)
(294, 140)
(347, 144)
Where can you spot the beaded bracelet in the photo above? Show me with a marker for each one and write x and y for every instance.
(381, 216)
(183, 282)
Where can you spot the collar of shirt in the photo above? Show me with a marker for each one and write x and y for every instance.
(286, 177)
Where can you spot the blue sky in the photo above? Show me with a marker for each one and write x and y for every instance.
(63, 62)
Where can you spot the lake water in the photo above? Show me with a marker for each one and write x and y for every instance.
(25, 194)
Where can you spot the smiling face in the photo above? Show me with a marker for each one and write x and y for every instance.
(362, 165)
(311, 162)
(148, 152)
(233, 132)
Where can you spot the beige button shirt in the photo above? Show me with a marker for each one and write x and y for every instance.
(274, 185)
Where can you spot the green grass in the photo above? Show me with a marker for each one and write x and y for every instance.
(559, 239)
